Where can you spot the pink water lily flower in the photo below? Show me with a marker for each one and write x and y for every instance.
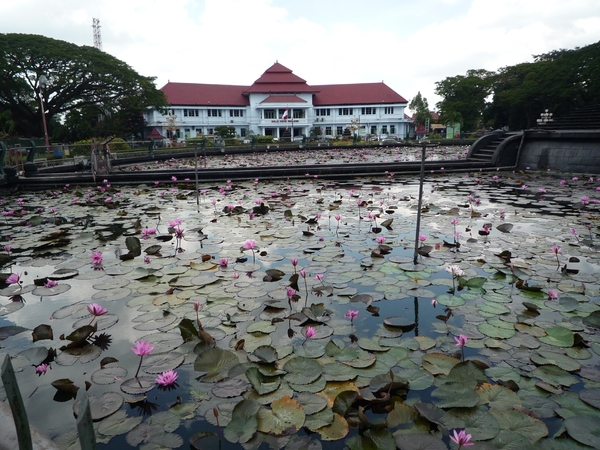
(42, 369)
(97, 258)
(461, 439)
(250, 244)
(96, 310)
(50, 284)
(167, 378)
(310, 332)
(461, 340)
(142, 348)
(351, 314)
(14, 278)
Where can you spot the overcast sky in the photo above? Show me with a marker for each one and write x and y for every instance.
(408, 44)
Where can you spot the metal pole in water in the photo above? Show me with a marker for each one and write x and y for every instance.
(196, 160)
(418, 227)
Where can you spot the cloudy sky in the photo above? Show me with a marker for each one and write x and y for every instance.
(409, 44)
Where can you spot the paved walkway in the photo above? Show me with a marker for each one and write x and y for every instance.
(8, 435)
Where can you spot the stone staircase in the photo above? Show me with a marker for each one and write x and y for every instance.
(587, 118)
(485, 153)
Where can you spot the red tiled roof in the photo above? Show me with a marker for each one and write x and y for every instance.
(356, 94)
(155, 134)
(192, 94)
(279, 79)
(283, 99)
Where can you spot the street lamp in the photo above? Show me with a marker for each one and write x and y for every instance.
(43, 82)
(545, 117)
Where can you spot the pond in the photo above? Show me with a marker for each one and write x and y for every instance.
(294, 316)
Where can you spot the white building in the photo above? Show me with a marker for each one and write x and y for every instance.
(281, 104)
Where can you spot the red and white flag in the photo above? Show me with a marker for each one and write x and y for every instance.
(285, 115)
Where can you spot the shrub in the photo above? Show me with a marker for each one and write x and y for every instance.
(264, 139)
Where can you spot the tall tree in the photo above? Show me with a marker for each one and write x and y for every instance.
(421, 108)
(79, 78)
(465, 96)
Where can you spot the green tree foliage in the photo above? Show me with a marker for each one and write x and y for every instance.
(87, 88)
(465, 98)
(225, 131)
(421, 108)
(560, 81)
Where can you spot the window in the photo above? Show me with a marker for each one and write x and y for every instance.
(299, 114)
(236, 113)
(373, 129)
(322, 112)
(339, 131)
(214, 113)
(369, 110)
(269, 114)
(384, 129)
(393, 129)
(388, 110)
(345, 112)
(328, 131)
(190, 113)
(243, 132)
(211, 131)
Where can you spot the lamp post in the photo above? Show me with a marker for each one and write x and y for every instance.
(43, 82)
(545, 117)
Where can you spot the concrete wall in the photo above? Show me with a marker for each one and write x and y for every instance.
(563, 151)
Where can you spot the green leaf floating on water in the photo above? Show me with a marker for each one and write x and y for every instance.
(215, 362)
(285, 417)
(244, 422)
(559, 337)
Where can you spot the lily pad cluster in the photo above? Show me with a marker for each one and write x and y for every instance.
(261, 336)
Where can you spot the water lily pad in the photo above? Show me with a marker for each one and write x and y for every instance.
(102, 407)
(138, 385)
(43, 291)
(419, 442)
(285, 417)
(162, 362)
(244, 422)
(338, 429)
(496, 332)
(301, 370)
(311, 403)
(118, 423)
(69, 356)
(477, 421)
(517, 422)
(591, 397)
(109, 375)
(496, 396)
(559, 337)
(584, 429)
(437, 363)
(215, 362)
(262, 384)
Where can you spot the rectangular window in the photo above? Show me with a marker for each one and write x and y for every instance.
(214, 113)
(190, 113)
(269, 114)
(322, 112)
(384, 129)
(366, 111)
(243, 132)
(236, 113)
(345, 112)
(388, 110)
(328, 131)
(393, 129)
(211, 131)
(339, 131)
(299, 114)
(373, 129)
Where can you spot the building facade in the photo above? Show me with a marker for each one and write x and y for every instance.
(282, 105)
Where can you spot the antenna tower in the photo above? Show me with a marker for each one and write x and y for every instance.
(97, 35)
